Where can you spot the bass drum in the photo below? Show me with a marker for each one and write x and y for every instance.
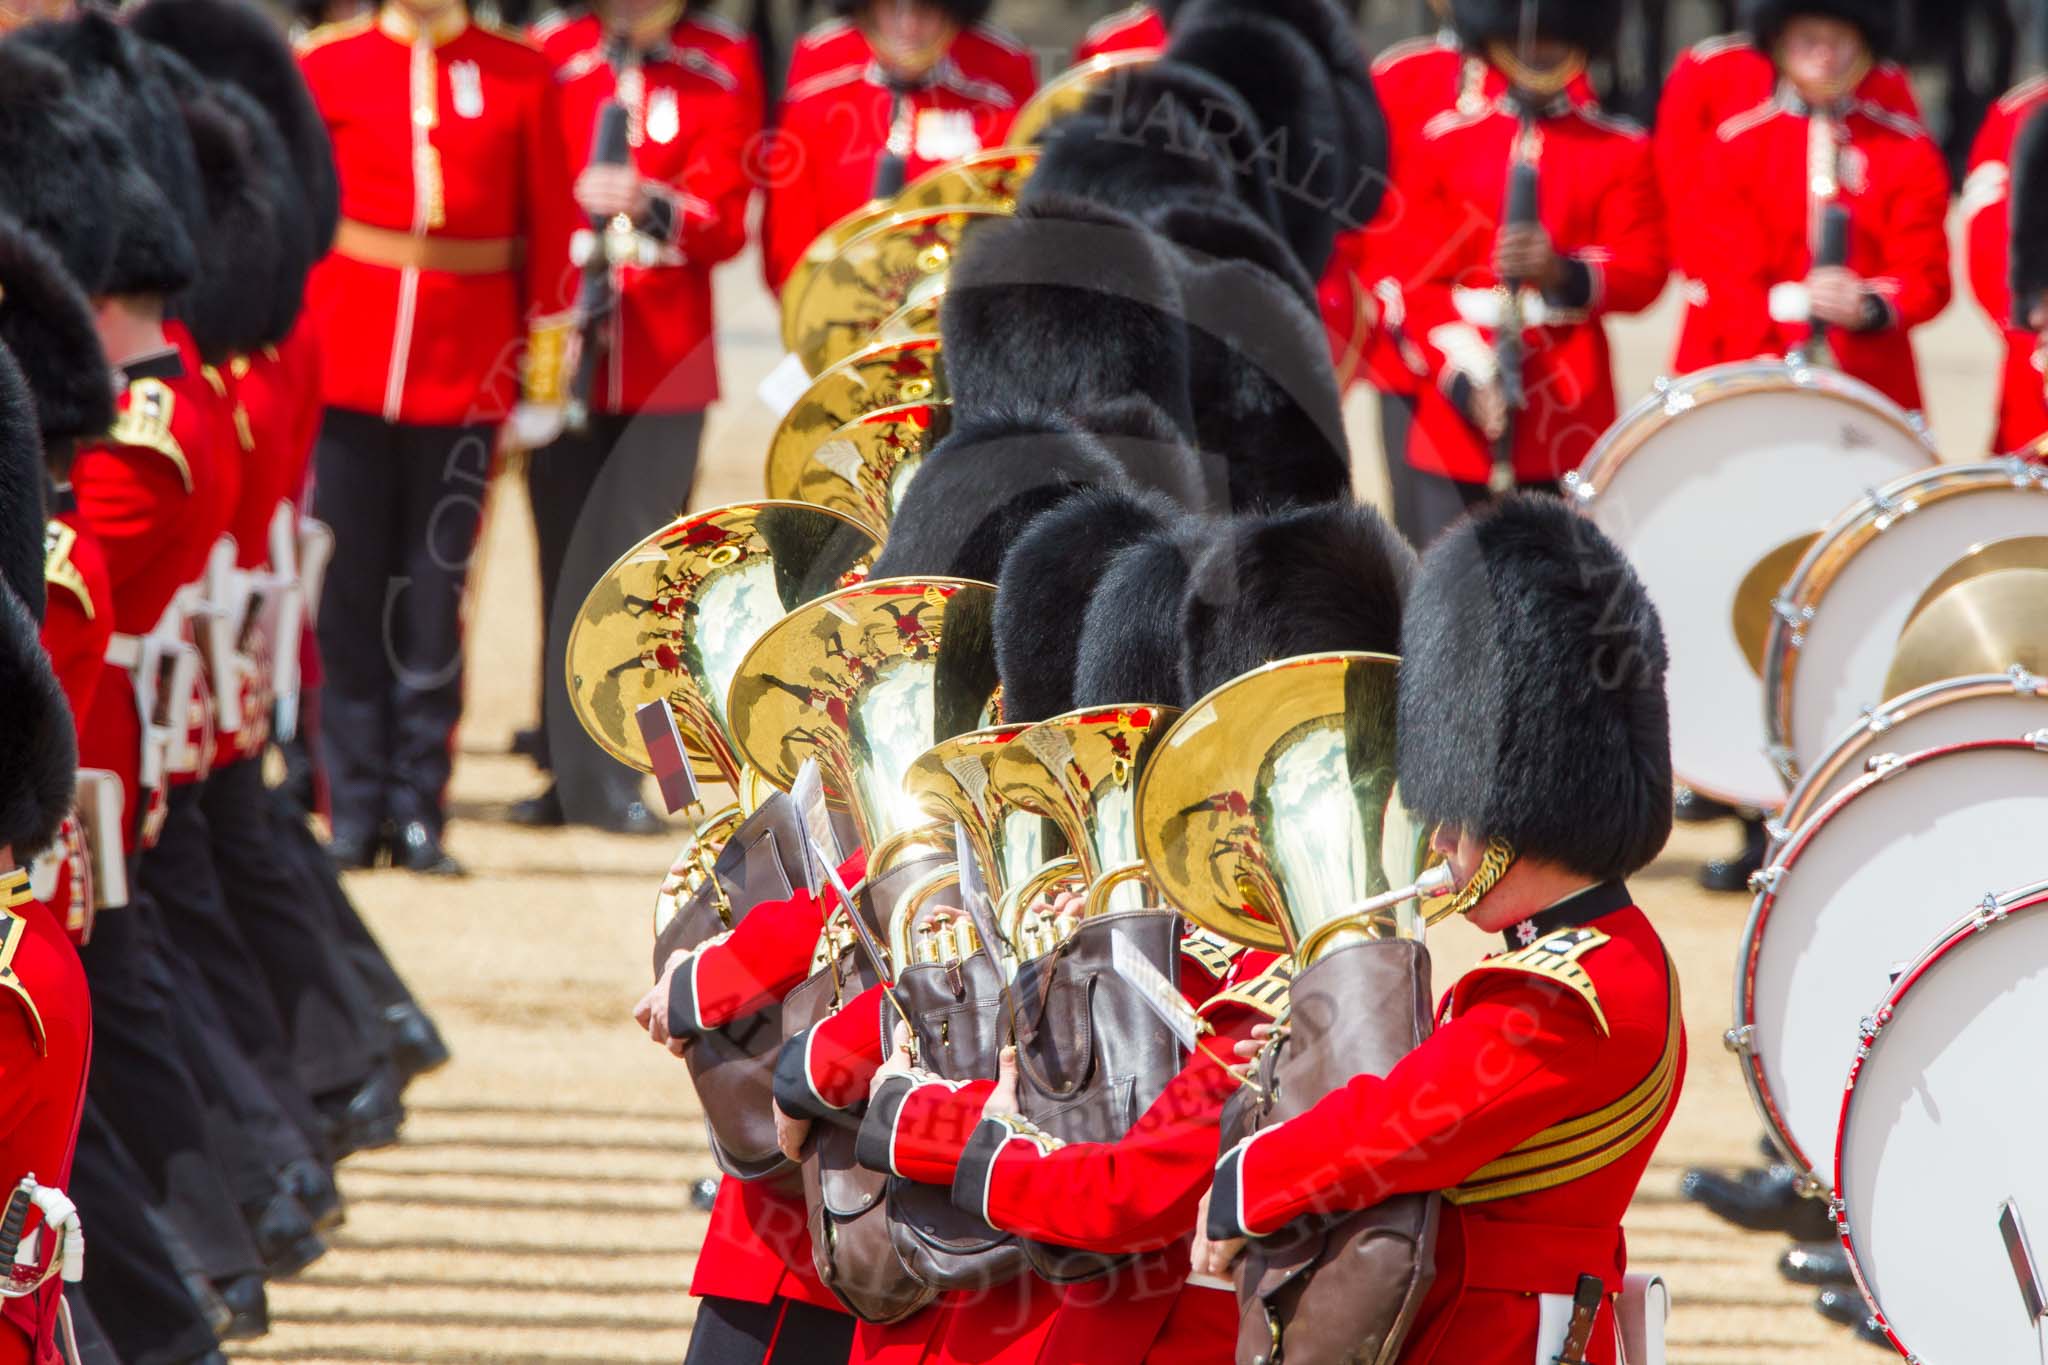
(1861, 887)
(1940, 1136)
(1953, 711)
(1712, 486)
(1834, 636)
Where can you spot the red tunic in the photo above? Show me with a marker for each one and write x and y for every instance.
(45, 1051)
(1712, 82)
(1760, 235)
(765, 956)
(835, 121)
(1598, 201)
(79, 618)
(1137, 29)
(1137, 1194)
(1987, 219)
(448, 142)
(137, 494)
(692, 128)
(1581, 1022)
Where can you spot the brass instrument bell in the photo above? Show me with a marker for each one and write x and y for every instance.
(864, 468)
(1067, 93)
(1081, 771)
(871, 277)
(886, 375)
(866, 680)
(822, 249)
(672, 619)
(1270, 813)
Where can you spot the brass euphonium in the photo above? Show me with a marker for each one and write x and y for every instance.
(871, 277)
(865, 681)
(887, 374)
(1270, 813)
(1069, 92)
(865, 467)
(954, 783)
(670, 622)
(1081, 771)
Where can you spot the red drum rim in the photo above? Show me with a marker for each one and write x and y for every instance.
(1989, 914)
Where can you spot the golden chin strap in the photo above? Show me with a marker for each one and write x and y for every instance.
(1493, 865)
(1541, 81)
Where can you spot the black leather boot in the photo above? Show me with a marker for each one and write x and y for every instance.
(415, 1044)
(1846, 1306)
(1690, 808)
(1817, 1263)
(367, 1117)
(312, 1184)
(1766, 1200)
(248, 1306)
(284, 1235)
(1733, 874)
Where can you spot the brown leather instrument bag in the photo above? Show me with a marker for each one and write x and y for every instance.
(734, 1067)
(851, 1243)
(1091, 1055)
(1338, 1289)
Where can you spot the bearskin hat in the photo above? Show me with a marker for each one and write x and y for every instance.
(237, 42)
(1877, 19)
(1064, 306)
(1532, 701)
(39, 762)
(21, 488)
(1271, 413)
(1046, 581)
(112, 71)
(1300, 66)
(48, 324)
(1130, 644)
(966, 13)
(51, 177)
(2029, 251)
(229, 307)
(1307, 580)
(295, 251)
(1588, 25)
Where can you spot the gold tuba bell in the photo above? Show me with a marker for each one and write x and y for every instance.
(864, 468)
(1270, 812)
(867, 680)
(670, 622)
(1081, 771)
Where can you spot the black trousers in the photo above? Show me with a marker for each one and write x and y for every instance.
(1440, 503)
(131, 1280)
(780, 1332)
(330, 1024)
(143, 1085)
(406, 503)
(595, 495)
(1397, 417)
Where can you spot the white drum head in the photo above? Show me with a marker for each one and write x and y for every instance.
(1854, 895)
(1942, 1125)
(1856, 587)
(1699, 484)
(1984, 706)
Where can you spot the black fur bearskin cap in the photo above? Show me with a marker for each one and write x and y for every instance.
(294, 251)
(966, 13)
(51, 177)
(981, 486)
(39, 762)
(1061, 307)
(1300, 66)
(230, 306)
(1308, 580)
(112, 71)
(2029, 251)
(1766, 20)
(1046, 582)
(1130, 646)
(1532, 701)
(1588, 25)
(46, 321)
(21, 490)
(237, 42)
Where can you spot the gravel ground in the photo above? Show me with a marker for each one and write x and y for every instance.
(537, 1210)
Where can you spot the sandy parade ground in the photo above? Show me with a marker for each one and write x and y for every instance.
(538, 1208)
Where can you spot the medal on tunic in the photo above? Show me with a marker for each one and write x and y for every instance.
(664, 119)
(466, 84)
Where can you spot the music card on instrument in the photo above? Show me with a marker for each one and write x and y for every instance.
(1161, 996)
(670, 760)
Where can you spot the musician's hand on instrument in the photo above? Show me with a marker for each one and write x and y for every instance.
(1525, 253)
(1207, 1257)
(1486, 407)
(1002, 1101)
(1065, 912)
(1835, 296)
(899, 1060)
(652, 1011)
(790, 1133)
(1250, 1048)
(607, 191)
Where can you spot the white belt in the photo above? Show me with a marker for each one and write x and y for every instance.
(124, 651)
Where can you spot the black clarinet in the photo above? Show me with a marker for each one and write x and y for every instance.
(1833, 251)
(1507, 338)
(596, 297)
